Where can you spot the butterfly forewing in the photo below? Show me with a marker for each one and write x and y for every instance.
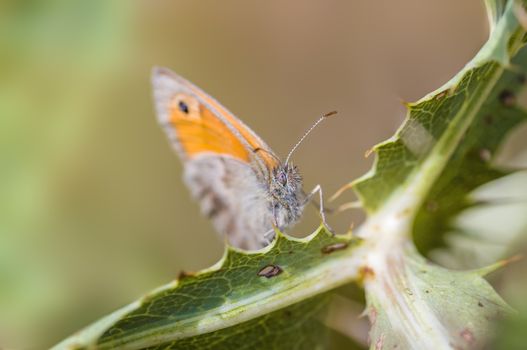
(223, 168)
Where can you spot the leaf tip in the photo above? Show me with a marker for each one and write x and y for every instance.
(484, 271)
(369, 152)
(339, 192)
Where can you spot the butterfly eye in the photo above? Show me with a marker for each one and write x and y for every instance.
(282, 178)
(183, 107)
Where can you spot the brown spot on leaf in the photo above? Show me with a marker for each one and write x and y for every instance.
(480, 304)
(184, 274)
(442, 94)
(507, 98)
(270, 271)
(330, 248)
(366, 272)
(467, 335)
(522, 78)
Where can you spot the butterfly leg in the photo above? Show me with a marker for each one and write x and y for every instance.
(309, 198)
(268, 237)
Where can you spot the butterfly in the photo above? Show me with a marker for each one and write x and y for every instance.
(240, 183)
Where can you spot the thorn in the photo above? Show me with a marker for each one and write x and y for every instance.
(348, 206)
(364, 313)
(405, 103)
(350, 228)
(184, 274)
(339, 192)
(369, 152)
(512, 259)
(498, 265)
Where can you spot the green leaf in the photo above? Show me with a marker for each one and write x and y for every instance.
(421, 178)
(294, 327)
(471, 164)
(250, 290)
(452, 124)
(457, 304)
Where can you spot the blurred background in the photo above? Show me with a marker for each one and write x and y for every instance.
(93, 212)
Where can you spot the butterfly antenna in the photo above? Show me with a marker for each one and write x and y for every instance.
(324, 116)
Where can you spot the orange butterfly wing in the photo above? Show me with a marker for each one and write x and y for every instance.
(198, 124)
(200, 131)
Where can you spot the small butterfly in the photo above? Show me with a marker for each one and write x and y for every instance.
(241, 184)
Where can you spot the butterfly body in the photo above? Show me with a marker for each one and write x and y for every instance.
(286, 195)
(239, 205)
(241, 185)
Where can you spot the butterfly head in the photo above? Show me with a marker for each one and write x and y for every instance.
(285, 184)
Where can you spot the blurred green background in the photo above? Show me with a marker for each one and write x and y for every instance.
(93, 212)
